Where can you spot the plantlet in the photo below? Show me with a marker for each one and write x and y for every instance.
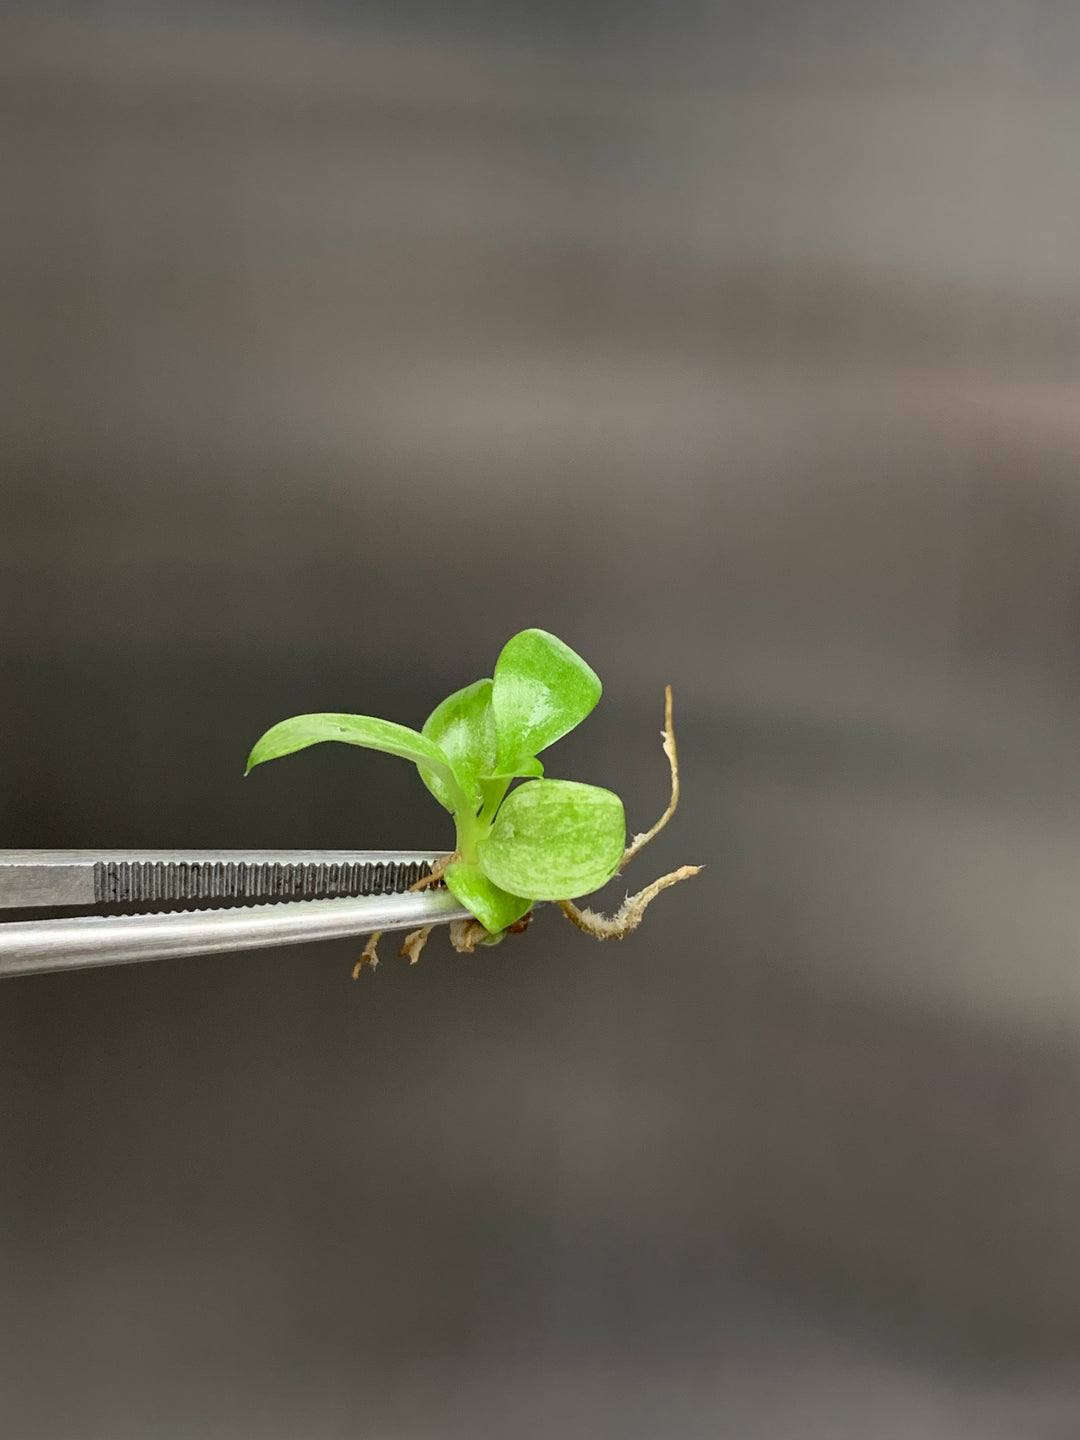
(544, 840)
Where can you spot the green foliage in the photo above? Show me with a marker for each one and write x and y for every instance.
(554, 839)
(493, 907)
(542, 690)
(545, 840)
(463, 727)
(303, 730)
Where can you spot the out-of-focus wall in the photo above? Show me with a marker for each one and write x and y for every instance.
(739, 348)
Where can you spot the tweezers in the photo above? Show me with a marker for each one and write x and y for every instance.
(293, 897)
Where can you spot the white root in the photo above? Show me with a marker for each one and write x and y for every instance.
(667, 735)
(414, 944)
(370, 955)
(466, 935)
(629, 914)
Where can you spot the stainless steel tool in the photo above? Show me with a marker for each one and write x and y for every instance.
(298, 896)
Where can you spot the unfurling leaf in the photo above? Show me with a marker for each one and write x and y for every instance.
(463, 727)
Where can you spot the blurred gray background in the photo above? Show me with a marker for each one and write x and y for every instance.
(739, 345)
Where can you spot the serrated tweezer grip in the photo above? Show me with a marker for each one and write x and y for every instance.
(157, 878)
(155, 881)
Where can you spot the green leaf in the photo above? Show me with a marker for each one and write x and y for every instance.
(554, 840)
(463, 727)
(541, 690)
(494, 908)
(365, 730)
(527, 768)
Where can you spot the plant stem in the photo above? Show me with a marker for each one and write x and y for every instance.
(472, 828)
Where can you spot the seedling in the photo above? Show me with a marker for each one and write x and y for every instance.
(543, 840)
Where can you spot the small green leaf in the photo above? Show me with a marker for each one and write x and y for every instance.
(463, 727)
(493, 787)
(494, 908)
(527, 768)
(542, 689)
(554, 840)
(365, 730)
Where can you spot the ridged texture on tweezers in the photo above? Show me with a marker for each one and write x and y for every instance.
(158, 880)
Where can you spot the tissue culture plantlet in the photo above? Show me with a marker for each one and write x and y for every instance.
(553, 840)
